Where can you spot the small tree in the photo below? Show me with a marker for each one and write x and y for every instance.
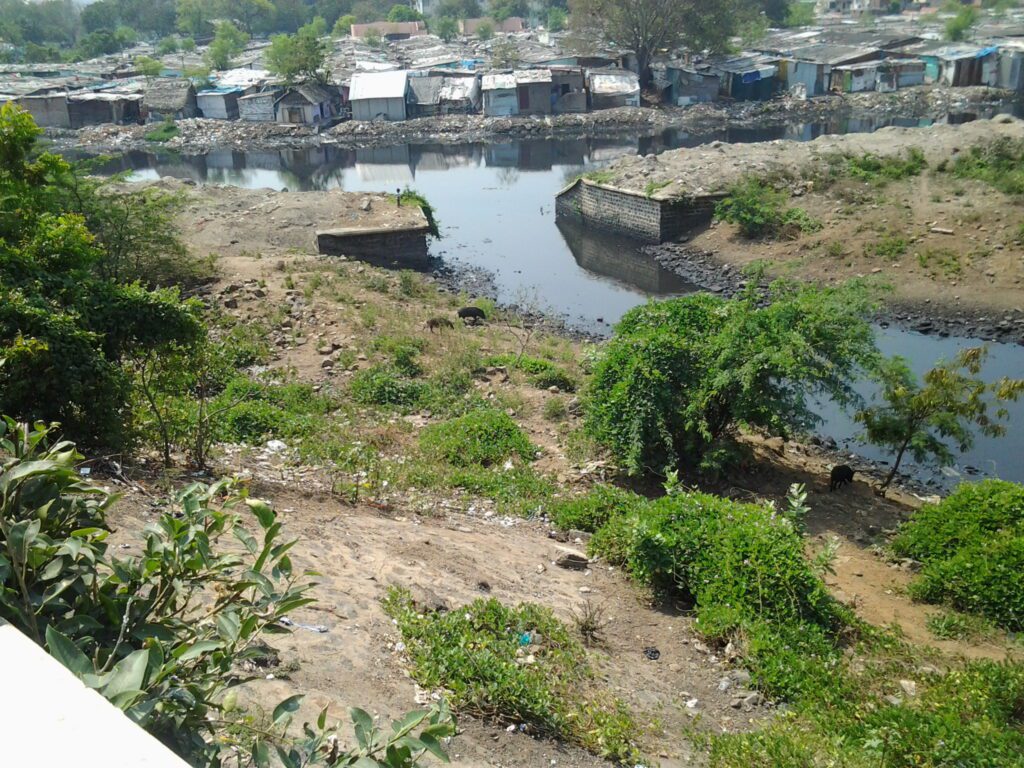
(373, 38)
(148, 68)
(680, 376)
(227, 43)
(922, 418)
(447, 28)
(167, 45)
(505, 54)
(403, 13)
(343, 26)
(485, 31)
(187, 45)
(556, 20)
(957, 27)
(301, 55)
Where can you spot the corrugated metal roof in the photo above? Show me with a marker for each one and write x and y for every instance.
(425, 90)
(614, 82)
(458, 88)
(378, 85)
(499, 82)
(528, 76)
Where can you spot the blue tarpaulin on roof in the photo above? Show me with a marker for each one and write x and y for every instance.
(751, 77)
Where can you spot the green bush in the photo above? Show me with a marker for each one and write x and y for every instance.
(593, 509)
(762, 212)
(483, 437)
(383, 385)
(259, 411)
(679, 375)
(999, 163)
(162, 133)
(877, 169)
(968, 517)
(540, 373)
(163, 634)
(403, 351)
(972, 547)
(514, 665)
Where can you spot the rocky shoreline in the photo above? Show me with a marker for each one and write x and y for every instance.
(200, 135)
(705, 269)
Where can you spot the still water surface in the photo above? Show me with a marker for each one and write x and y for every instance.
(495, 203)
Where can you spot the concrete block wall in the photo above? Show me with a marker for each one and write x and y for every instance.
(632, 214)
(392, 249)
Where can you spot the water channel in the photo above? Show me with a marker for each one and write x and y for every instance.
(495, 203)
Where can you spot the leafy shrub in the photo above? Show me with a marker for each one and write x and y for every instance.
(483, 437)
(541, 373)
(679, 375)
(514, 665)
(255, 411)
(383, 385)
(403, 351)
(877, 169)
(162, 635)
(999, 164)
(519, 490)
(890, 247)
(972, 547)
(555, 409)
(594, 509)
(761, 212)
(163, 132)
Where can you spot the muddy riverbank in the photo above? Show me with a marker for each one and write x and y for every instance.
(926, 104)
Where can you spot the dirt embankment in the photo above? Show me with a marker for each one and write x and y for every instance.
(196, 136)
(451, 546)
(950, 246)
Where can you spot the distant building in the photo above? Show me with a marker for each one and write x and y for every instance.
(258, 107)
(169, 99)
(568, 90)
(306, 104)
(512, 24)
(750, 77)
(460, 95)
(533, 91)
(424, 96)
(219, 103)
(99, 107)
(610, 88)
(379, 95)
(390, 30)
(686, 85)
(500, 97)
(49, 110)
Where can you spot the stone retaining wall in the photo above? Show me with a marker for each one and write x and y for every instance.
(638, 216)
(390, 248)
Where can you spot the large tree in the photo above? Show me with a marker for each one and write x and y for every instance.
(648, 26)
(299, 56)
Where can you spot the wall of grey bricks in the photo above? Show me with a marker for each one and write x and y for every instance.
(636, 215)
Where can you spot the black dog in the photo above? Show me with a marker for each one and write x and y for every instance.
(841, 475)
(472, 313)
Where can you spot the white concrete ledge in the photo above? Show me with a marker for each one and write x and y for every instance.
(49, 718)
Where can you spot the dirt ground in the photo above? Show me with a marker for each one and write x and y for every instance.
(953, 244)
(457, 549)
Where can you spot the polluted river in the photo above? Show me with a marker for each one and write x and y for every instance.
(495, 207)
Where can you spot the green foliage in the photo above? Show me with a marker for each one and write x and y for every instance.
(164, 132)
(762, 212)
(299, 56)
(227, 43)
(66, 324)
(557, 20)
(446, 28)
(514, 665)
(485, 31)
(482, 437)
(957, 27)
(948, 406)
(410, 196)
(404, 13)
(594, 509)
(262, 411)
(373, 38)
(384, 385)
(167, 45)
(999, 163)
(880, 170)
(162, 635)
(343, 26)
(890, 247)
(555, 409)
(148, 67)
(541, 373)
(679, 376)
(800, 14)
(972, 547)
(957, 626)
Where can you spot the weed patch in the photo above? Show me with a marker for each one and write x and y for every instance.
(540, 373)
(480, 438)
(940, 260)
(594, 509)
(516, 665)
(999, 164)
(881, 170)
(972, 547)
(890, 247)
(270, 410)
(162, 133)
(386, 386)
(762, 212)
